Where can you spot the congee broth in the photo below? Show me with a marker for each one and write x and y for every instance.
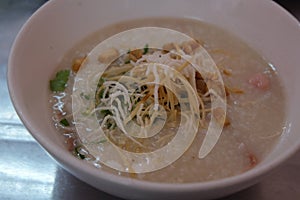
(255, 101)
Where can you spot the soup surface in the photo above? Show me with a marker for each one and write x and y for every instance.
(255, 105)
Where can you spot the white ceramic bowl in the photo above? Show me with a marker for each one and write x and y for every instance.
(58, 25)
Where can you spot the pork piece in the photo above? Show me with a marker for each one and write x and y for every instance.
(260, 81)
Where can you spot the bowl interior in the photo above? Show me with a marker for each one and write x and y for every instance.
(59, 25)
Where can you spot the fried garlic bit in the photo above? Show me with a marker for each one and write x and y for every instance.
(108, 55)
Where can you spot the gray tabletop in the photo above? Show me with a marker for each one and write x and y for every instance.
(27, 172)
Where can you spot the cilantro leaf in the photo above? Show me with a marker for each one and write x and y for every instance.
(146, 49)
(64, 122)
(58, 84)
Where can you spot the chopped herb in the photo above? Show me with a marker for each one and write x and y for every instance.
(100, 82)
(146, 49)
(78, 154)
(87, 97)
(127, 62)
(102, 141)
(64, 122)
(101, 94)
(58, 84)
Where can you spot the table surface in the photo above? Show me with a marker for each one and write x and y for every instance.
(29, 173)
